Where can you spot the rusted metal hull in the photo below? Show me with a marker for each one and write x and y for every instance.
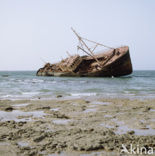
(116, 66)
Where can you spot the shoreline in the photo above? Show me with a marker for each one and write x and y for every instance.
(43, 127)
(74, 96)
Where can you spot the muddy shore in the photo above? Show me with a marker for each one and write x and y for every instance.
(82, 127)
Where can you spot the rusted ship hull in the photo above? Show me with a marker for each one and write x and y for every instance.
(114, 62)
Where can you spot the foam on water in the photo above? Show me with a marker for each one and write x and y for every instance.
(83, 94)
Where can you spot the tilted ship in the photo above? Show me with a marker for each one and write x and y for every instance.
(113, 62)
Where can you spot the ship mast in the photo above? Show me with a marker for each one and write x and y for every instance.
(90, 52)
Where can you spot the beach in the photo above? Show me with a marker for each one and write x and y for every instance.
(65, 116)
(77, 126)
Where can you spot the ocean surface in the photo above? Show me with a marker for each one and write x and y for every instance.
(26, 85)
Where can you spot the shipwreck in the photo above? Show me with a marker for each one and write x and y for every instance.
(113, 62)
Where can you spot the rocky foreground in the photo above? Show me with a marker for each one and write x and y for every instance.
(82, 127)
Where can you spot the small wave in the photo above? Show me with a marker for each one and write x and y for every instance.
(33, 80)
(37, 80)
(29, 94)
(83, 94)
(6, 96)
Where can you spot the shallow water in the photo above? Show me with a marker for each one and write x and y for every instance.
(61, 121)
(18, 115)
(54, 109)
(26, 85)
(123, 129)
(23, 144)
(101, 103)
(90, 110)
(101, 153)
(21, 105)
(106, 125)
(152, 110)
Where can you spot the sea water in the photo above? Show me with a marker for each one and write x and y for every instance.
(26, 85)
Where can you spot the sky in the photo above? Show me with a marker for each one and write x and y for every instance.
(33, 32)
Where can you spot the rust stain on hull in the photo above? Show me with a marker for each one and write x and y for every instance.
(114, 62)
(118, 65)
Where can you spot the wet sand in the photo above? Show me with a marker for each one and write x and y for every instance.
(82, 126)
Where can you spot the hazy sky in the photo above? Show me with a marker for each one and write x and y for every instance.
(31, 30)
